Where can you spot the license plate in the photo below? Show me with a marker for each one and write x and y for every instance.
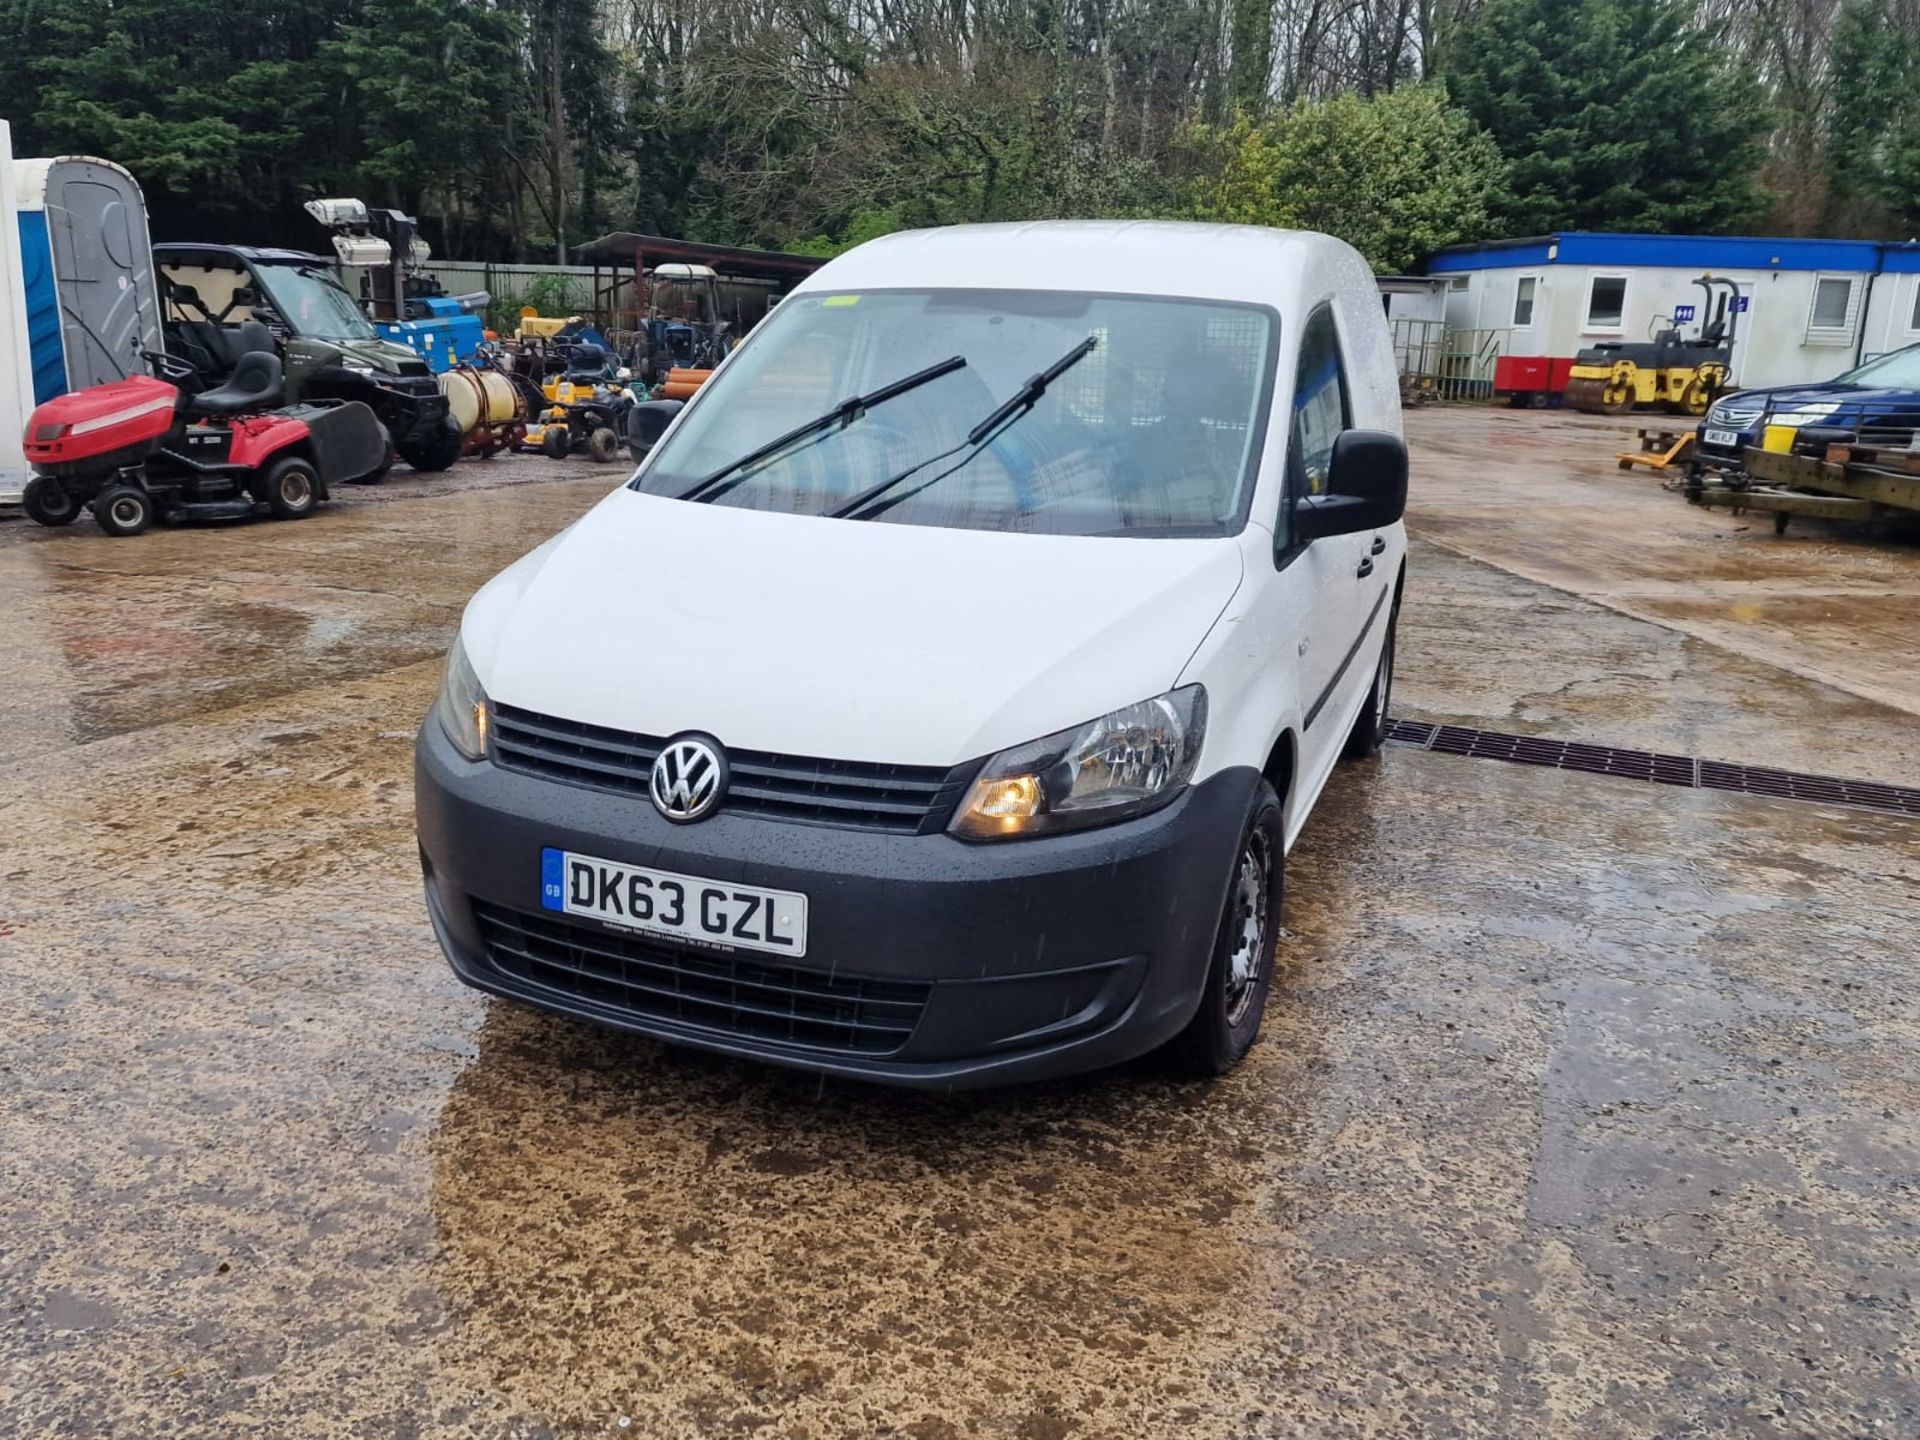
(676, 907)
(1729, 438)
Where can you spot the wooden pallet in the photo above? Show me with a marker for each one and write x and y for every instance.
(1660, 450)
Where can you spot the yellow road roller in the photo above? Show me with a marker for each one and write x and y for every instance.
(1670, 371)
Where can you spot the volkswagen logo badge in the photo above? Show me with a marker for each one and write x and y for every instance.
(689, 777)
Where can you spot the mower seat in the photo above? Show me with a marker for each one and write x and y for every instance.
(588, 361)
(254, 385)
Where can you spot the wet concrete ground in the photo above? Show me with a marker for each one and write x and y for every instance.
(1539, 493)
(1583, 1108)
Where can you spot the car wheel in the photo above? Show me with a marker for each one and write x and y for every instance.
(603, 445)
(49, 502)
(437, 451)
(1241, 972)
(292, 489)
(1370, 725)
(123, 510)
(555, 442)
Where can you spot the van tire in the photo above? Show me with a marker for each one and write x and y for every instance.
(1232, 1001)
(1370, 725)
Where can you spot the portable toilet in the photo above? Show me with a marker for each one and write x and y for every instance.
(87, 271)
(16, 351)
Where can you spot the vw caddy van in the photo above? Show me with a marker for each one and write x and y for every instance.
(938, 701)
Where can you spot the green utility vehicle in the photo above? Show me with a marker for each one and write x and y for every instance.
(329, 349)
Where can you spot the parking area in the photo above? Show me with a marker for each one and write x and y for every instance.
(1584, 1107)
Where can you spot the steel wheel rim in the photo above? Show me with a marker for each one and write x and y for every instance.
(126, 511)
(295, 489)
(1247, 924)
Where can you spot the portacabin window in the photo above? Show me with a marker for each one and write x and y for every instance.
(1607, 302)
(1523, 297)
(1460, 283)
(1830, 321)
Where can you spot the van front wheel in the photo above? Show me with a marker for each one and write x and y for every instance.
(1241, 972)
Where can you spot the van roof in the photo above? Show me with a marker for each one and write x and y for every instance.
(1137, 257)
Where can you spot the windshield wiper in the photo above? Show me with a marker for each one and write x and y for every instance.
(711, 487)
(862, 506)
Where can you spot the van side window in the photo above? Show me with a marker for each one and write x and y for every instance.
(1320, 406)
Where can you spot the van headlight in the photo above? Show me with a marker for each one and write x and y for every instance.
(462, 707)
(1124, 764)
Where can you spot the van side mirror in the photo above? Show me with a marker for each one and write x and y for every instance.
(647, 421)
(1366, 487)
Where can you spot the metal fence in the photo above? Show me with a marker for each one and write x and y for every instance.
(1442, 363)
(560, 290)
(550, 289)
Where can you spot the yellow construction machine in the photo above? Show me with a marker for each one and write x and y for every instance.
(1680, 375)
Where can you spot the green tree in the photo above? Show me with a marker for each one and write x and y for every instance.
(1250, 35)
(1396, 177)
(211, 103)
(1872, 142)
(1616, 115)
(426, 137)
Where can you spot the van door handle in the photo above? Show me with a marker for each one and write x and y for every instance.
(1379, 544)
(1366, 568)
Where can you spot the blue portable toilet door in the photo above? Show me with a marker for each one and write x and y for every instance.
(103, 268)
(43, 308)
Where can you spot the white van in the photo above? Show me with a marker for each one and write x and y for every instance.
(937, 702)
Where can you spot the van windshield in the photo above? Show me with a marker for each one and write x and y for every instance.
(1154, 432)
(312, 303)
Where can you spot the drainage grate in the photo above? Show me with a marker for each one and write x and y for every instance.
(1652, 766)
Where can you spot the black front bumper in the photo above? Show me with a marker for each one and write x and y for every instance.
(413, 412)
(997, 962)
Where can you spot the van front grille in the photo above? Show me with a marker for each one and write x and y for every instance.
(727, 994)
(902, 799)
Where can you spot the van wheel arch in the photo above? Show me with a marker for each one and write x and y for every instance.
(1279, 770)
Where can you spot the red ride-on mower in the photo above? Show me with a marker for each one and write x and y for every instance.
(138, 449)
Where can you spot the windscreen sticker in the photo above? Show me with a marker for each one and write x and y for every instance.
(838, 300)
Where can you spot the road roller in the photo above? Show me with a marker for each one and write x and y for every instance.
(1670, 371)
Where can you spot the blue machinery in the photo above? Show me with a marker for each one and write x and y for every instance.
(444, 335)
(407, 307)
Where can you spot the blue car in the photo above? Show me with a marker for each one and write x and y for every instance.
(1877, 403)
